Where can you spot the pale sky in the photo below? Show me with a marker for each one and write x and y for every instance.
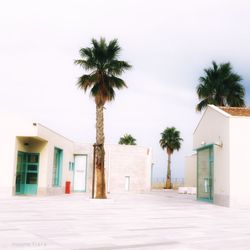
(169, 43)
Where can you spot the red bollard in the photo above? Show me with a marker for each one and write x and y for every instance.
(67, 187)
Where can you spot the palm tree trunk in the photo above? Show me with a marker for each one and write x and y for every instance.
(100, 155)
(168, 180)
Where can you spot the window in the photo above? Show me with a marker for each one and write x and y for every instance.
(71, 166)
(127, 183)
(57, 167)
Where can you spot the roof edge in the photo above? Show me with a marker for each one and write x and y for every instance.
(214, 108)
(53, 131)
(220, 110)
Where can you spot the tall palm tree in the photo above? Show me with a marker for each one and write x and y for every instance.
(220, 86)
(101, 59)
(170, 140)
(127, 139)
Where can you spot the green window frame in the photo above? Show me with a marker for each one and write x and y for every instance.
(57, 167)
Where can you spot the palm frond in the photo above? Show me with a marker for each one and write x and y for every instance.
(116, 67)
(220, 86)
(202, 104)
(86, 81)
(127, 139)
(113, 50)
(115, 82)
(170, 139)
(102, 60)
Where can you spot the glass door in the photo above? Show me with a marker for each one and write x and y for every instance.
(31, 173)
(205, 164)
(27, 173)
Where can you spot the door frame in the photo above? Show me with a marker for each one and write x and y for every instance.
(20, 174)
(210, 147)
(58, 166)
(86, 174)
(26, 171)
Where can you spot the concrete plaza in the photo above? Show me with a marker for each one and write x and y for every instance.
(151, 221)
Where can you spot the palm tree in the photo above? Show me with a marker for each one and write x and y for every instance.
(127, 139)
(170, 140)
(101, 59)
(220, 86)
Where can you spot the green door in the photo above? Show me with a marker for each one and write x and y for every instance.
(20, 173)
(27, 173)
(205, 172)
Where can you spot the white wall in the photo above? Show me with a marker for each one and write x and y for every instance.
(132, 161)
(55, 141)
(214, 128)
(14, 132)
(240, 161)
(10, 127)
(121, 161)
(190, 171)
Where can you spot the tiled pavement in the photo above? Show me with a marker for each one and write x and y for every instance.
(159, 220)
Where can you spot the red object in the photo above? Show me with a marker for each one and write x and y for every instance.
(67, 187)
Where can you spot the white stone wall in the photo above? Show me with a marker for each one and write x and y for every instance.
(131, 161)
(121, 161)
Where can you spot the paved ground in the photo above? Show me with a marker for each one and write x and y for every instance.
(158, 220)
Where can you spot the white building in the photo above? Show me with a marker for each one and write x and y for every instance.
(190, 176)
(222, 142)
(35, 160)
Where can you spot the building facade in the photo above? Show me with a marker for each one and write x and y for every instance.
(222, 143)
(34, 160)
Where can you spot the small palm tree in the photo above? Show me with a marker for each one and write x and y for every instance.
(170, 140)
(127, 139)
(220, 86)
(101, 59)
